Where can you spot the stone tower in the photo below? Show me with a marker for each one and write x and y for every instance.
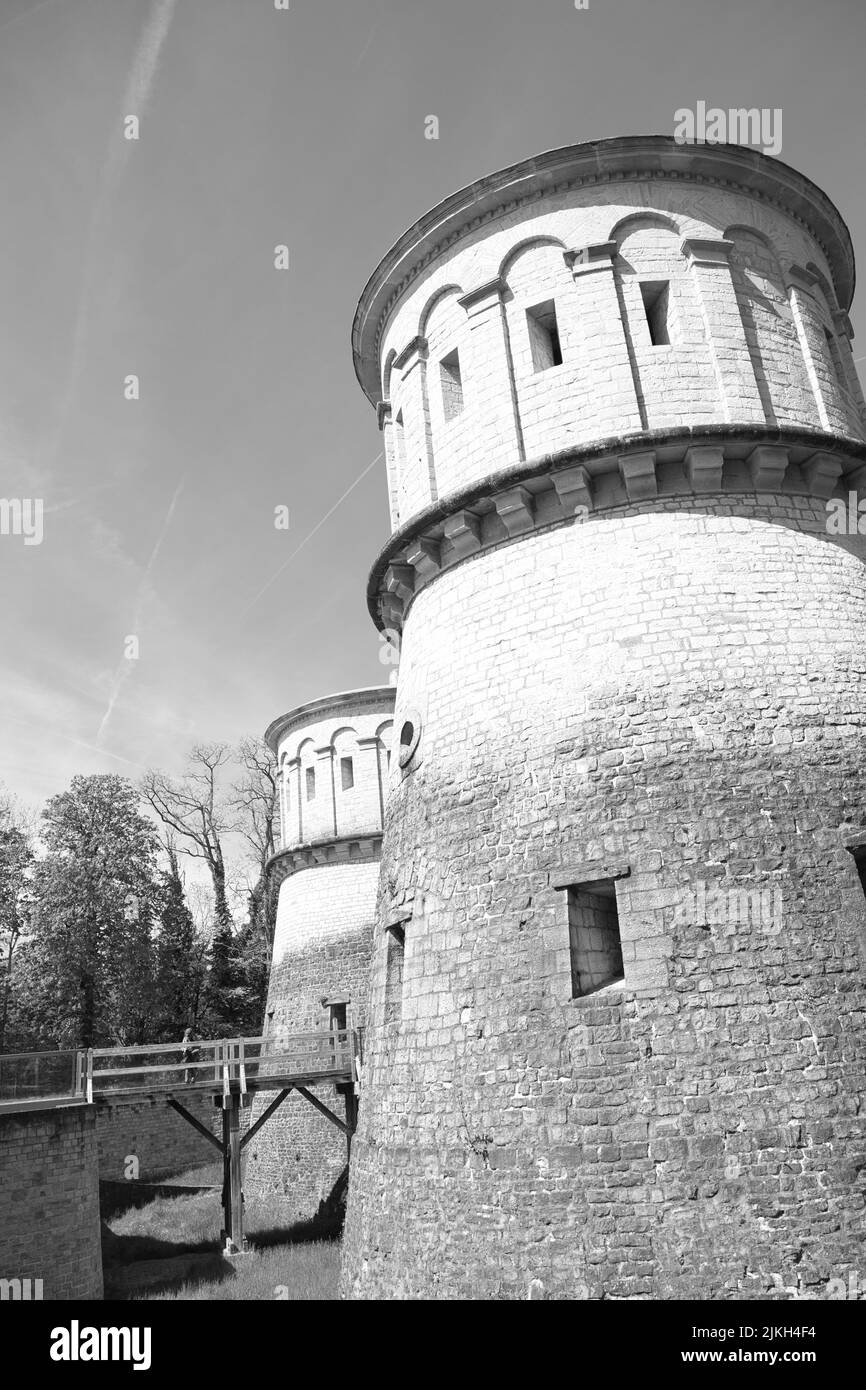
(333, 758)
(616, 1034)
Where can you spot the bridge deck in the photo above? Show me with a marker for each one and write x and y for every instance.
(277, 1081)
(219, 1067)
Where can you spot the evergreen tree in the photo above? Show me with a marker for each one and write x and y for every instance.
(179, 958)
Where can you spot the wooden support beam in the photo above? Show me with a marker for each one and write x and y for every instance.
(235, 1222)
(274, 1105)
(196, 1124)
(329, 1114)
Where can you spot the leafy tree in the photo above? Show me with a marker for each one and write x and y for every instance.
(16, 861)
(180, 956)
(96, 895)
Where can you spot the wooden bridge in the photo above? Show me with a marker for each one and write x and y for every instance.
(229, 1069)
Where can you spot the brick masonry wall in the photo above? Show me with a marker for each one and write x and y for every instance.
(679, 687)
(163, 1142)
(49, 1201)
(321, 950)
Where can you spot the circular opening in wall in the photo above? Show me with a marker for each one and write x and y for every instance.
(410, 733)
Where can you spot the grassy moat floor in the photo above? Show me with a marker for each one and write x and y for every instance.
(169, 1248)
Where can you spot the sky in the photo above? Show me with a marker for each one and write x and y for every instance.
(154, 257)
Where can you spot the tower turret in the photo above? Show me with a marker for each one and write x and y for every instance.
(616, 1028)
(332, 756)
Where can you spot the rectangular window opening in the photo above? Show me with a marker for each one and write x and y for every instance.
(337, 1016)
(452, 385)
(544, 336)
(594, 937)
(311, 783)
(394, 974)
(347, 774)
(656, 302)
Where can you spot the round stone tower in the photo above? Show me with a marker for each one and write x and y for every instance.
(616, 1036)
(333, 758)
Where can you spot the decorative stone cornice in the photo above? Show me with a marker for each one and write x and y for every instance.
(642, 470)
(822, 472)
(842, 324)
(463, 531)
(491, 290)
(798, 278)
(638, 473)
(327, 706)
(704, 467)
(573, 488)
(583, 260)
(348, 849)
(415, 349)
(706, 250)
(516, 510)
(646, 158)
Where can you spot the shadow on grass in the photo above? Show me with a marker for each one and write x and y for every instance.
(133, 1264)
(300, 1233)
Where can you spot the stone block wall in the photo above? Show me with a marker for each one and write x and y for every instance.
(49, 1201)
(322, 951)
(664, 695)
(161, 1140)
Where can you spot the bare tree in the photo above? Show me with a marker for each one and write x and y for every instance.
(194, 810)
(256, 803)
(255, 798)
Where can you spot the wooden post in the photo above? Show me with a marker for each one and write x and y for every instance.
(227, 1188)
(233, 1209)
(236, 1228)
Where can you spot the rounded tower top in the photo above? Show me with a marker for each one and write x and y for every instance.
(332, 755)
(511, 192)
(606, 324)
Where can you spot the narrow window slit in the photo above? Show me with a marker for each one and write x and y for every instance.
(396, 945)
(452, 385)
(544, 336)
(656, 303)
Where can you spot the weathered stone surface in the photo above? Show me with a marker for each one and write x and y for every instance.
(324, 925)
(49, 1201)
(678, 686)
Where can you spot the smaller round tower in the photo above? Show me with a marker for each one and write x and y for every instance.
(333, 770)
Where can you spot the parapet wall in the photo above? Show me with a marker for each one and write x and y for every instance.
(49, 1201)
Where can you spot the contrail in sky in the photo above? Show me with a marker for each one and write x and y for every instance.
(67, 738)
(125, 669)
(136, 98)
(309, 536)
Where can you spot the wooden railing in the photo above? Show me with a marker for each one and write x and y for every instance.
(213, 1064)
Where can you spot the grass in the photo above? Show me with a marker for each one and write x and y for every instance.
(169, 1249)
(291, 1272)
